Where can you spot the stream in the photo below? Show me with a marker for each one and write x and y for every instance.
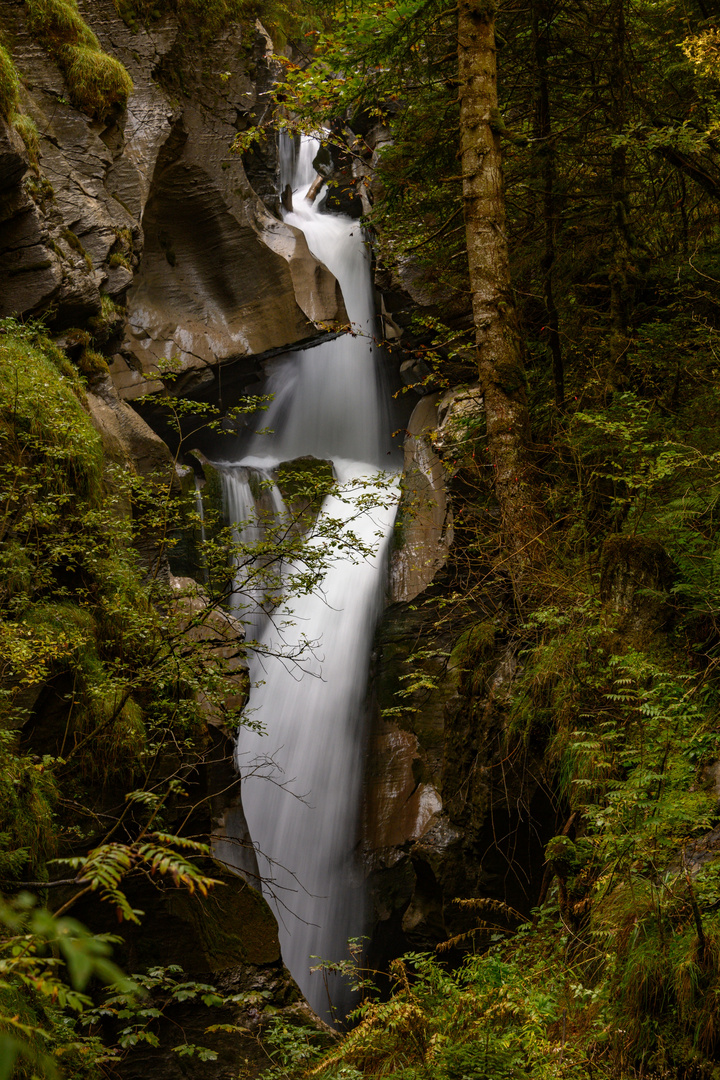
(302, 777)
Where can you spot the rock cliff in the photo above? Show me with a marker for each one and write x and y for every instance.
(152, 209)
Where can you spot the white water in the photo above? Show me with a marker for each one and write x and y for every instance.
(200, 511)
(301, 786)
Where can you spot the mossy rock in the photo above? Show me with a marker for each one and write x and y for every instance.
(636, 575)
(304, 483)
(472, 656)
(410, 653)
(93, 365)
(232, 925)
(97, 83)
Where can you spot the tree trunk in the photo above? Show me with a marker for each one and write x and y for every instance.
(545, 155)
(499, 348)
(620, 287)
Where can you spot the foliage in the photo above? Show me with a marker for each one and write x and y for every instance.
(9, 85)
(99, 784)
(97, 83)
(46, 964)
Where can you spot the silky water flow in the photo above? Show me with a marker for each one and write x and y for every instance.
(302, 777)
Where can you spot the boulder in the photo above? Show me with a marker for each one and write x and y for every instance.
(636, 575)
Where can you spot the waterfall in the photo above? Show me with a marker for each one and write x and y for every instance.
(301, 780)
(200, 511)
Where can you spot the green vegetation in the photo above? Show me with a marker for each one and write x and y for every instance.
(97, 83)
(108, 678)
(199, 20)
(594, 681)
(9, 85)
(10, 105)
(612, 711)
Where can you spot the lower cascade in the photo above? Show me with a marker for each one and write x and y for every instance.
(302, 773)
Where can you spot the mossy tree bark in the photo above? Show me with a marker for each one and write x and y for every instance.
(499, 347)
(544, 161)
(620, 288)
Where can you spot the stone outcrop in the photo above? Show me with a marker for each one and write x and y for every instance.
(127, 439)
(636, 575)
(423, 526)
(446, 817)
(154, 208)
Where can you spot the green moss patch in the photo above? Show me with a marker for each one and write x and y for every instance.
(42, 417)
(9, 85)
(97, 83)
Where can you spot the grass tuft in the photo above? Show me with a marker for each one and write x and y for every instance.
(28, 132)
(9, 85)
(58, 22)
(97, 83)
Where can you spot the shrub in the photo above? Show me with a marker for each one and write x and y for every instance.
(41, 415)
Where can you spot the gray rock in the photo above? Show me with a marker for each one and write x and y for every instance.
(210, 274)
(423, 530)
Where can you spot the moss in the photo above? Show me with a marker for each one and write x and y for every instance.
(41, 415)
(27, 800)
(108, 323)
(92, 364)
(118, 259)
(472, 656)
(97, 83)
(200, 20)
(9, 85)
(58, 22)
(28, 132)
(73, 241)
(70, 238)
(40, 190)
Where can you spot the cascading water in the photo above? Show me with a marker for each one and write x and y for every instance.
(301, 787)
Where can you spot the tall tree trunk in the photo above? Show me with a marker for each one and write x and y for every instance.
(620, 287)
(499, 348)
(541, 20)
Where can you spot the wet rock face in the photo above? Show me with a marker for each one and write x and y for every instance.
(449, 814)
(423, 526)
(154, 208)
(40, 258)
